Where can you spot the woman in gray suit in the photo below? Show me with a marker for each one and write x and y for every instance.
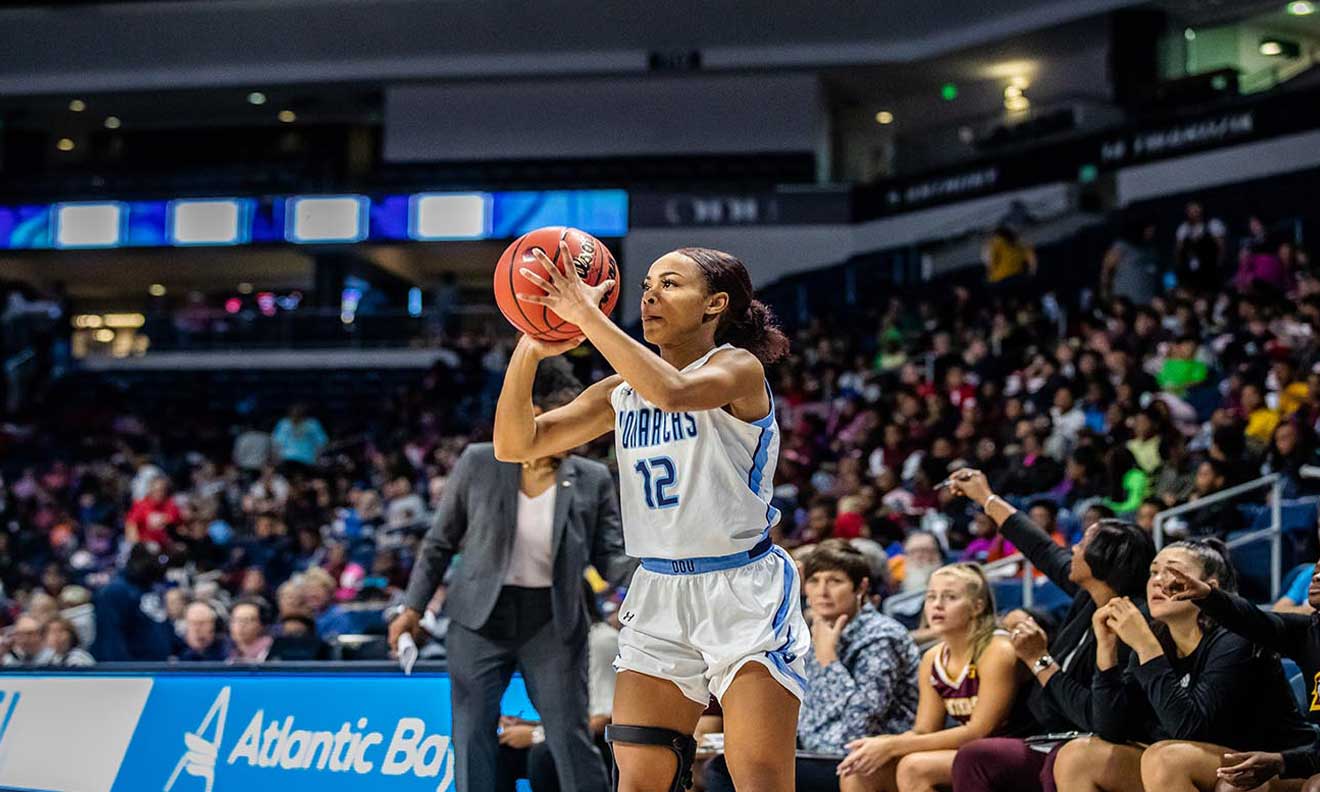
(526, 533)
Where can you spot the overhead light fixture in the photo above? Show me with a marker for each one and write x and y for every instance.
(112, 122)
(1189, 34)
(884, 117)
(156, 290)
(1012, 92)
(65, 144)
(77, 105)
(1301, 8)
(1017, 104)
(104, 336)
(256, 98)
(1020, 82)
(1276, 47)
(287, 116)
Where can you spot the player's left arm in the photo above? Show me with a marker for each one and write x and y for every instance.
(732, 377)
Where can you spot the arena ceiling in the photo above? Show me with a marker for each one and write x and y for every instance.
(144, 45)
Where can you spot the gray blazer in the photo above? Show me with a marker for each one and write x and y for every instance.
(477, 518)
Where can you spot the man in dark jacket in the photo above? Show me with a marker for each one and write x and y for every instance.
(131, 623)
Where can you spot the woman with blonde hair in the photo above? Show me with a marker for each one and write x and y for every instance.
(967, 677)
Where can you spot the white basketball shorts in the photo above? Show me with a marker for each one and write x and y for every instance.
(697, 621)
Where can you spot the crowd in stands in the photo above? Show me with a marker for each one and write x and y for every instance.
(1182, 373)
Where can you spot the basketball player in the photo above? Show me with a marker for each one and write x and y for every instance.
(715, 607)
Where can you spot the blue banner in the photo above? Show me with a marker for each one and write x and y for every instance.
(239, 731)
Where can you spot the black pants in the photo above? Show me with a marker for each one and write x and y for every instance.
(813, 775)
(521, 635)
(537, 765)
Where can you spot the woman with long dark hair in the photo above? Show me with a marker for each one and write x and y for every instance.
(714, 610)
(1192, 690)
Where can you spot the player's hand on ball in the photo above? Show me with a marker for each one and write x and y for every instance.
(545, 349)
(565, 292)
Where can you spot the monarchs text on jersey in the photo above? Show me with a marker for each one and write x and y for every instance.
(692, 484)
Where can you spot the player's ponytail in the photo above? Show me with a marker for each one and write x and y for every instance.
(747, 322)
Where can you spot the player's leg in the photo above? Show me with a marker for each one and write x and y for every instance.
(1090, 764)
(925, 771)
(1181, 766)
(650, 702)
(760, 730)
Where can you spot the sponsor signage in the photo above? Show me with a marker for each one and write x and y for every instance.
(230, 732)
(813, 207)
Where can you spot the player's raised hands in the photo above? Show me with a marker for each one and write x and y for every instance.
(565, 292)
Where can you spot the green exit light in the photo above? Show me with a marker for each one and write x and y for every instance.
(1087, 173)
(949, 92)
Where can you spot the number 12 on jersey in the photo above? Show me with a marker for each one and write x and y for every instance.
(658, 476)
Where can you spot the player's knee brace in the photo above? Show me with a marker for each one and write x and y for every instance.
(683, 746)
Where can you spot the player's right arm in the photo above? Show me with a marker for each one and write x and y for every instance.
(520, 434)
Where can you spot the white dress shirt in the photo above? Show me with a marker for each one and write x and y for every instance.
(531, 565)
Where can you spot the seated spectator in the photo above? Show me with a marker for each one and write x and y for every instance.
(1083, 478)
(1185, 691)
(202, 641)
(152, 517)
(1294, 636)
(1181, 370)
(1128, 482)
(62, 645)
(1291, 447)
(253, 583)
(1146, 444)
(1146, 513)
(1262, 272)
(1260, 417)
(921, 556)
(297, 640)
(268, 494)
(404, 507)
(1045, 514)
(988, 544)
(1217, 519)
(24, 644)
(298, 438)
(248, 640)
(968, 677)
(1067, 418)
(861, 669)
(1111, 560)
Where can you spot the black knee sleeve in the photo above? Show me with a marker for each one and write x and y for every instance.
(683, 746)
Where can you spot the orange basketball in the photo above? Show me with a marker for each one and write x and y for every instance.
(593, 261)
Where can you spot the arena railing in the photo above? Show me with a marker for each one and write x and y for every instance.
(994, 571)
(1273, 532)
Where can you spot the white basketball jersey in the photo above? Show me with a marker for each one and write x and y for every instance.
(693, 484)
